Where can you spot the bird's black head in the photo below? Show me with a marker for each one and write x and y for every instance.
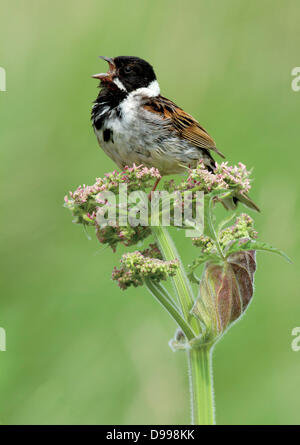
(127, 73)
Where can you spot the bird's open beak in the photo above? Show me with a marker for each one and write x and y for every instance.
(111, 72)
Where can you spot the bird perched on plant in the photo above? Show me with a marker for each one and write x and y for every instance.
(134, 124)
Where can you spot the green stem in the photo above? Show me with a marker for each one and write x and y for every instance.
(180, 280)
(166, 294)
(208, 224)
(201, 385)
(158, 293)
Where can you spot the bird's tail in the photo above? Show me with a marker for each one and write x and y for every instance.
(231, 202)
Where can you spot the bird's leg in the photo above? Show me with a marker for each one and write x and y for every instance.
(156, 184)
(154, 188)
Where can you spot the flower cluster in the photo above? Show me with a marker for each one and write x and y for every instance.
(236, 177)
(152, 252)
(136, 267)
(205, 243)
(136, 178)
(127, 235)
(224, 177)
(88, 201)
(241, 229)
(203, 180)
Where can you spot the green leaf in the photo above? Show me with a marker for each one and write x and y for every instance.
(193, 278)
(219, 192)
(225, 221)
(237, 246)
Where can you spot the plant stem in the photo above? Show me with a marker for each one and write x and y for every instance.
(159, 295)
(201, 385)
(208, 224)
(180, 280)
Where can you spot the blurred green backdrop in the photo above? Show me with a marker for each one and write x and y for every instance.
(79, 350)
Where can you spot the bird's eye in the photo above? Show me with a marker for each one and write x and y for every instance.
(127, 69)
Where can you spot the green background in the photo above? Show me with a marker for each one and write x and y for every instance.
(79, 350)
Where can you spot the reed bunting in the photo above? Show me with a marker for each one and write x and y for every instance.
(134, 124)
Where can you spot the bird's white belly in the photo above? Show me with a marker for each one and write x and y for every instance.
(127, 139)
(132, 136)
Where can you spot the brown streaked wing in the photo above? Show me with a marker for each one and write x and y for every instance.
(183, 123)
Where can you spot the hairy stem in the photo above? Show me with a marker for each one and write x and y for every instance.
(201, 385)
(158, 293)
(180, 280)
(199, 359)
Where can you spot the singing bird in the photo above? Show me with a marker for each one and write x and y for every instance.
(135, 124)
